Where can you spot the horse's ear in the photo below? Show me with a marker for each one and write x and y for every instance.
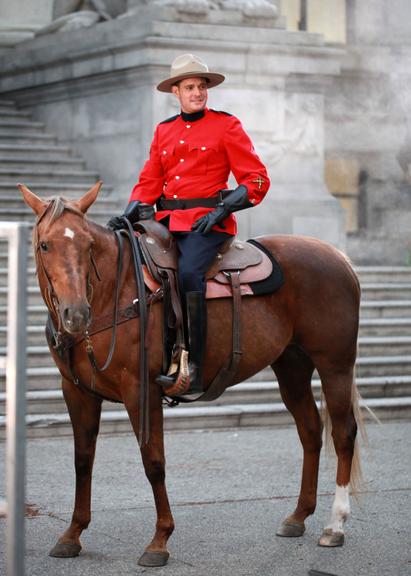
(89, 197)
(36, 204)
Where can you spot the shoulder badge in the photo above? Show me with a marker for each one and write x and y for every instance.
(221, 112)
(171, 119)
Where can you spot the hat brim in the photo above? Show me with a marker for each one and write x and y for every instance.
(213, 78)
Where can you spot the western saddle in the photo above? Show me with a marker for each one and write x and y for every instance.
(237, 265)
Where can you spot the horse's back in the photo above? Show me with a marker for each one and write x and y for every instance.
(311, 259)
(321, 290)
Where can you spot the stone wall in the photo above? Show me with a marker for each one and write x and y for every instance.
(368, 131)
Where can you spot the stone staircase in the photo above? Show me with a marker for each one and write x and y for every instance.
(29, 154)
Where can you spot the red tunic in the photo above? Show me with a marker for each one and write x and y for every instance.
(193, 159)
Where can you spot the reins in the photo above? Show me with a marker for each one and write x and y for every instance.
(58, 334)
(89, 345)
(144, 419)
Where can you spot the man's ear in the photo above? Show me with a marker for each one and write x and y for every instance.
(175, 91)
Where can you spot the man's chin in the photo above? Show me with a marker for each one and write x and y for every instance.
(197, 107)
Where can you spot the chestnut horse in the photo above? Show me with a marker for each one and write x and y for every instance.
(310, 323)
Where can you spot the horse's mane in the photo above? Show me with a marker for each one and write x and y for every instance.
(56, 207)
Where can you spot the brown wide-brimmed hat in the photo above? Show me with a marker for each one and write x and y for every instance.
(189, 66)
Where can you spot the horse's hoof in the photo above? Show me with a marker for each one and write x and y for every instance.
(331, 539)
(65, 550)
(291, 529)
(154, 558)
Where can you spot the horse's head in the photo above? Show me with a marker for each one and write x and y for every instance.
(63, 248)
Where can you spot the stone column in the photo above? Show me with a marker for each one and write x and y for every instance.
(19, 20)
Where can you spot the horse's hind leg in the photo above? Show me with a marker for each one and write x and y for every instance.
(294, 370)
(156, 553)
(338, 392)
(84, 410)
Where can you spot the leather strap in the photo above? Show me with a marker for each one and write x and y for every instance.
(144, 419)
(227, 372)
(89, 348)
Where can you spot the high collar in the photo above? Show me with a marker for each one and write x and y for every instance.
(193, 116)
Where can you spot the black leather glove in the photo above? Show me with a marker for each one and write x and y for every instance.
(134, 212)
(232, 201)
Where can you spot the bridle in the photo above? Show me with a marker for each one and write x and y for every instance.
(53, 304)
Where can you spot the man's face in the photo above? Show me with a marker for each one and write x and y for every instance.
(192, 94)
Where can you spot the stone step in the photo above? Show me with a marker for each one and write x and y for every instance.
(9, 113)
(36, 315)
(386, 291)
(40, 151)
(374, 311)
(51, 401)
(383, 366)
(368, 345)
(36, 318)
(390, 364)
(15, 202)
(31, 277)
(29, 126)
(72, 190)
(34, 335)
(44, 378)
(382, 345)
(388, 312)
(32, 176)
(10, 136)
(199, 418)
(99, 214)
(38, 163)
(385, 309)
(385, 326)
(370, 274)
(7, 104)
(39, 358)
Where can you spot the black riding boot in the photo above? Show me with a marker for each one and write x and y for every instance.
(190, 381)
(197, 335)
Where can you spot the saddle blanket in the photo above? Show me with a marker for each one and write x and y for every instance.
(256, 282)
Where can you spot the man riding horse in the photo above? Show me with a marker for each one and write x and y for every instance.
(191, 157)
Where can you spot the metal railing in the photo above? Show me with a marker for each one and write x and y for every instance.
(14, 364)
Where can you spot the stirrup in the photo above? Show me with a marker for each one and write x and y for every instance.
(176, 383)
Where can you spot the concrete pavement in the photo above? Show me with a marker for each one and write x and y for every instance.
(229, 491)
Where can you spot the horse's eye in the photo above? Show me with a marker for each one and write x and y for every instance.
(43, 246)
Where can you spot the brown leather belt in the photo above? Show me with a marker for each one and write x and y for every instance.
(164, 204)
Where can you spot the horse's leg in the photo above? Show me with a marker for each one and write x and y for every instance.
(294, 370)
(338, 392)
(156, 553)
(84, 410)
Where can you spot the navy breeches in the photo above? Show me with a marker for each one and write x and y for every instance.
(196, 253)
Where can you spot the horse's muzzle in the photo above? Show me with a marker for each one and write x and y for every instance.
(76, 318)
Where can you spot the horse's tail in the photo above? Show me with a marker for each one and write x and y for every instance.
(356, 477)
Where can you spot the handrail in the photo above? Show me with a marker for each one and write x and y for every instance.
(15, 366)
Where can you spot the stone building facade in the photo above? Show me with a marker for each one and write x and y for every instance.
(325, 97)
